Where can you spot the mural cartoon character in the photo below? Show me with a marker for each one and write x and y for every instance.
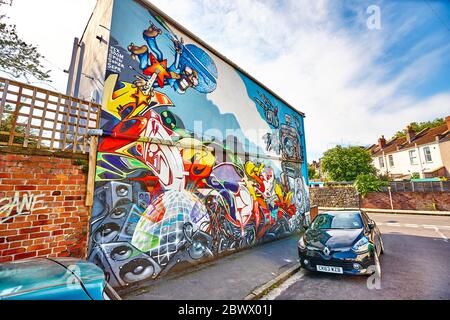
(139, 120)
(192, 67)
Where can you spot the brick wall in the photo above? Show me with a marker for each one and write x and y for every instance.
(425, 201)
(334, 197)
(347, 197)
(43, 197)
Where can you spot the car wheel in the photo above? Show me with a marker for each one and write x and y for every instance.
(381, 245)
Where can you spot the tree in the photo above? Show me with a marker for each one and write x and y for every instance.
(419, 126)
(346, 163)
(366, 183)
(312, 173)
(7, 125)
(415, 175)
(17, 57)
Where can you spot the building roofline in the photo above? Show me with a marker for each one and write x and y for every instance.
(178, 26)
(439, 137)
(379, 152)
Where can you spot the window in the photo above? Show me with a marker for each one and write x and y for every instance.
(413, 157)
(381, 161)
(341, 220)
(427, 154)
(391, 160)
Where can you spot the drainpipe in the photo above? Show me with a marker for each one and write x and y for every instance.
(71, 70)
(385, 163)
(76, 88)
(420, 161)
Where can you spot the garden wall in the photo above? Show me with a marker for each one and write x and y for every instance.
(422, 201)
(42, 211)
(334, 197)
(347, 197)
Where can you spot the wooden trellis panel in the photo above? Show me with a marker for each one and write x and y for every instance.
(32, 117)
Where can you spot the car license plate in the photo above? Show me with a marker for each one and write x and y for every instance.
(330, 269)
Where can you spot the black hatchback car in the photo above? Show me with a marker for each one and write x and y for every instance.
(342, 242)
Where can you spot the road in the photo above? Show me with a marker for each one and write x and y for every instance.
(416, 265)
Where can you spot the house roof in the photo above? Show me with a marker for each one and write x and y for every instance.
(426, 136)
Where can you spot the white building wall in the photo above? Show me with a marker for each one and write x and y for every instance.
(402, 164)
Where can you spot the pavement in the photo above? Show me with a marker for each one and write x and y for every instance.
(232, 277)
(415, 266)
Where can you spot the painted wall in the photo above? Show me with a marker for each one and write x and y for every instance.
(196, 158)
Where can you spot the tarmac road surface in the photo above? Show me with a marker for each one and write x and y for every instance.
(416, 265)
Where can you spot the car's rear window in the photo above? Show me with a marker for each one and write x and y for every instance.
(345, 220)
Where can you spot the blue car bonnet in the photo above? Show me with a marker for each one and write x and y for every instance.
(46, 279)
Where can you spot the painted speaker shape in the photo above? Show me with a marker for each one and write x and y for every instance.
(118, 193)
(124, 264)
(118, 225)
(195, 247)
(290, 142)
(144, 199)
(199, 243)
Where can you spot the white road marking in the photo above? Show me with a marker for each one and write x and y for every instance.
(275, 293)
(441, 235)
(393, 224)
(424, 226)
(412, 225)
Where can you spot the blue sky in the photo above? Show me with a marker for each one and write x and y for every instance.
(354, 84)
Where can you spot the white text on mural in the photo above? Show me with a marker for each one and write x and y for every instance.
(115, 60)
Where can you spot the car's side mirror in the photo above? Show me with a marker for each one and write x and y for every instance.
(371, 225)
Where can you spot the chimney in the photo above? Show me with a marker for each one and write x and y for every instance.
(410, 134)
(381, 142)
(447, 121)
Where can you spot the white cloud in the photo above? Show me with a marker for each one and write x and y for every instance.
(52, 25)
(304, 50)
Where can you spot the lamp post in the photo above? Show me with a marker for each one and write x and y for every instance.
(390, 197)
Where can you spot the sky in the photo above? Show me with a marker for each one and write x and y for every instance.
(354, 83)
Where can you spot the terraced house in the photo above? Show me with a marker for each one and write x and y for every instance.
(425, 153)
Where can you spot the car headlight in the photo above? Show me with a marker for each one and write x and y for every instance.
(362, 245)
(301, 244)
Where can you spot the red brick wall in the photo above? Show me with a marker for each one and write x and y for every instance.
(408, 201)
(58, 225)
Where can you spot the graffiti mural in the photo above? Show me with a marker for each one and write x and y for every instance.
(169, 192)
